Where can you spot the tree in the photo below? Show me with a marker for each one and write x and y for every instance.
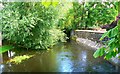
(90, 14)
(113, 45)
(31, 25)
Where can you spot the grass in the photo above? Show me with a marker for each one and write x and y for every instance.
(5, 48)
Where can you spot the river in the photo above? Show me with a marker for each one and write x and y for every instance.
(63, 57)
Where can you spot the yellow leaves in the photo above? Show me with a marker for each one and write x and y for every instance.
(19, 59)
(54, 4)
(114, 50)
(47, 3)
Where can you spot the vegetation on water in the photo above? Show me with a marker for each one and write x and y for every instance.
(19, 59)
(41, 25)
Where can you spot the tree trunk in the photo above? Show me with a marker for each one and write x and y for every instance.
(1, 6)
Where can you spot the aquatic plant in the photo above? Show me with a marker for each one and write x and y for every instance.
(19, 59)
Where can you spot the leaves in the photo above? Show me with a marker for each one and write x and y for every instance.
(93, 14)
(5, 48)
(19, 59)
(99, 52)
(104, 35)
(112, 48)
(111, 33)
(29, 25)
(47, 3)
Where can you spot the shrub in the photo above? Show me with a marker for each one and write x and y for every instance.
(30, 25)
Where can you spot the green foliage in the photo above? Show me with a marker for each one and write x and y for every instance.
(99, 52)
(90, 14)
(112, 46)
(47, 4)
(5, 48)
(65, 16)
(111, 33)
(31, 25)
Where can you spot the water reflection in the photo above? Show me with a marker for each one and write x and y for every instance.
(83, 56)
(83, 61)
(11, 54)
(1, 68)
(1, 61)
(65, 62)
(68, 57)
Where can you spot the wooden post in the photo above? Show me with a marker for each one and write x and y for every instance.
(1, 58)
(1, 7)
(1, 61)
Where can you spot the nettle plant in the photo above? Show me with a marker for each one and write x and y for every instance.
(31, 25)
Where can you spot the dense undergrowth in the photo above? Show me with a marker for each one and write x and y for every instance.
(31, 25)
(41, 25)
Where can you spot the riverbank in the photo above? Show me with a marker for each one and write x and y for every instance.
(91, 38)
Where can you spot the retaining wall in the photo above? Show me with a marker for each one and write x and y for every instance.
(91, 38)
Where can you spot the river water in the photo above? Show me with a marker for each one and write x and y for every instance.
(64, 57)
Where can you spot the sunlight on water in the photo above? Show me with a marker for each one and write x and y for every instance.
(68, 57)
(65, 62)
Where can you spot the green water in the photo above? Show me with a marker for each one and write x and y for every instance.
(64, 57)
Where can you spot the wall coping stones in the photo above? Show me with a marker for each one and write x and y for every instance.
(92, 31)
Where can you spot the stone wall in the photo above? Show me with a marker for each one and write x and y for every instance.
(89, 34)
(91, 38)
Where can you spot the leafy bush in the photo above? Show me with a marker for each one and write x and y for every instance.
(113, 45)
(31, 25)
(90, 14)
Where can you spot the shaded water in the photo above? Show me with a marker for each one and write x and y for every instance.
(68, 57)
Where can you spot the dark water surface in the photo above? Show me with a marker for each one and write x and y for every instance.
(68, 57)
